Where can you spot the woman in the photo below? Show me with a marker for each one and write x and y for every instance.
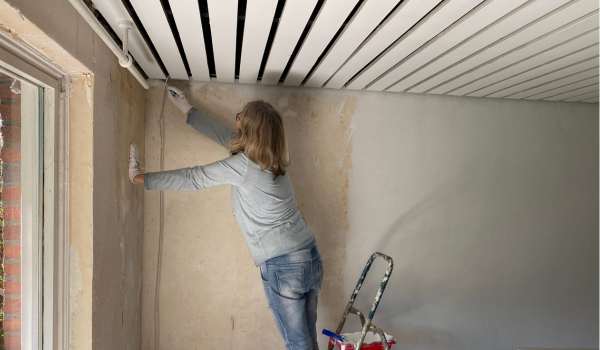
(280, 242)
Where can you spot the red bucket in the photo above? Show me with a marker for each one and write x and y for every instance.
(371, 342)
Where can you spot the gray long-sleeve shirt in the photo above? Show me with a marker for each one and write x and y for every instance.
(265, 208)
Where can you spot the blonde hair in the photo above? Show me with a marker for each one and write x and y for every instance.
(261, 137)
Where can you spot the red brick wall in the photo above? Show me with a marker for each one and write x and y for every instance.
(10, 114)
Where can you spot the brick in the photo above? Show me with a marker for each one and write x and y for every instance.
(13, 306)
(12, 342)
(11, 232)
(11, 193)
(12, 251)
(12, 286)
(12, 213)
(10, 155)
(14, 269)
(12, 324)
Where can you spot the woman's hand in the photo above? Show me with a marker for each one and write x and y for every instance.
(178, 98)
(134, 170)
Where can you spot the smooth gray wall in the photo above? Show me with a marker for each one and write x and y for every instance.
(489, 208)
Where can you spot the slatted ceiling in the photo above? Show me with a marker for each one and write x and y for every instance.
(364, 22)
(137, 48)
(223, 24)
(293, 20)
(517, 49)
(477, 20)
(585, 91)
(481, 77)
(436, 70)
(187, 18)
(155, 22)
(256, 31)
(405, 16)
(550, 81)
(420, 36)
(565, 87)
(329, 20)
(537, 30)
(529, 56)
(554, 69)
(561, 68)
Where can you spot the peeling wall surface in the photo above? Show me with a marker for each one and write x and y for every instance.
(106, 113)
(488, 207)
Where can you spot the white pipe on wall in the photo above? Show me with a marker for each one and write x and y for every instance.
(87, 15)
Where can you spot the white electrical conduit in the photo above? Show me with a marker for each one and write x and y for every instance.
(125, 59)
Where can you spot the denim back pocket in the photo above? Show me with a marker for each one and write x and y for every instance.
(290, 280)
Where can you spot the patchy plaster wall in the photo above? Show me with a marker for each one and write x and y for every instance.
(106, 113)
(489, 208)
(211, 294)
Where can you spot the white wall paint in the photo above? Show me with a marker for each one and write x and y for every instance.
(490, 210)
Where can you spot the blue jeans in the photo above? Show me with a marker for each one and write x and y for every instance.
(292, 283)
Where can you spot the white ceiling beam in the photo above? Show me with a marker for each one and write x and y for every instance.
(435, 24)
(364, 22)
(223, 24)
(259, 18)
(153, 18)
(427, 74)
(291, 24)
(187, 18)
(518, 29)
(566, 88)
(529, 56)
(396, 65)
(406, 15)
(330, 19)
(527, 82)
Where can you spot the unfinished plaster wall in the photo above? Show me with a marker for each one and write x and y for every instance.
(211, 294)
(106, 113)
(489, 208)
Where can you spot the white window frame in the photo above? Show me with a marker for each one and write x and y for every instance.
(48, 249)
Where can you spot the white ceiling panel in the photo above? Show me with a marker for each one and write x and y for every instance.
(293, 21)
(223, 23)
(565, 87)
(538, 51)
(365, 21)
(420, 36)
(574, 63)
(407, 14)
(479, 18)
(189, 25)
(155, 22)
(515, 49)
(435, 71)
(330, 19)
(574, 94)
(259, 15)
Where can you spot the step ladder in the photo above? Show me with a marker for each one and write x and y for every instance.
(337, 338)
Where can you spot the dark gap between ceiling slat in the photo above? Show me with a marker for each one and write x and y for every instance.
(333, 40)
(116, 38)
(171, 20)
(208, 46)
(142, 30)
(363, 43)
(241, 19)
(305, 32)
(271, 38)
(376, 58)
